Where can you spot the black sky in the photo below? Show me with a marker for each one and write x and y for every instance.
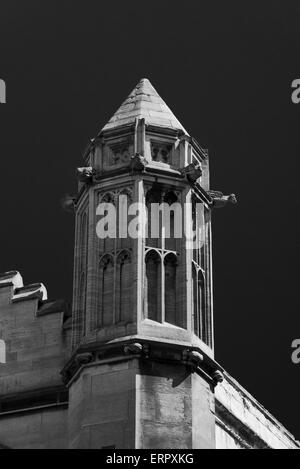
(225, 69)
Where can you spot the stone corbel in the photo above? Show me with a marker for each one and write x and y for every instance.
(84, 358)
(218, 377)
(220, 200)
(192, 358)
(197, 363)
(192, 172)
(79, 360)
(136, 348)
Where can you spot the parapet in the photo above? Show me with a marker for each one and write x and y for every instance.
(18, 292)
(36, 331)
(242, 422)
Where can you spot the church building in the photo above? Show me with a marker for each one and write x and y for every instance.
(131, 363)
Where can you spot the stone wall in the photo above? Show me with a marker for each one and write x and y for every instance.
(36, 333)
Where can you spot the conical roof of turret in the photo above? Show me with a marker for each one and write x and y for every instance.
(144, 103)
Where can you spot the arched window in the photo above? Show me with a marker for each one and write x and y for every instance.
(153, 196)
(123, 287)
(153, 286)
(170, 288)
(107, 200)
(165, 221)
(200, 326)
(173, 218)
(106, 291)
(164, 218)
(124, 200)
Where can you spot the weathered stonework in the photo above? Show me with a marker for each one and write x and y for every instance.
(133, 365)
(33, 398)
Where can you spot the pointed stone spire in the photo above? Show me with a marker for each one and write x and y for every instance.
(144, 102)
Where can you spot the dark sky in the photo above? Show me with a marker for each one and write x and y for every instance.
(225, 69)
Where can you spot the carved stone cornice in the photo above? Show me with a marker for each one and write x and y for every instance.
(92, 354)
(89, 175)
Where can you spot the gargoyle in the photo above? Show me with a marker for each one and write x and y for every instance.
(192, 172)
(85, 174)
(220, 200)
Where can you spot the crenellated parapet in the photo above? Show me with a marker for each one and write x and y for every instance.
(36, 332)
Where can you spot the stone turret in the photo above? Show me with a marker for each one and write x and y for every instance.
(142, 306)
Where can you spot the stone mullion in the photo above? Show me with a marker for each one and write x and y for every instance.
(188, 259)
(118, 283)
(138, 258)
(160, 298)
(162, 289)
(100, 299)
(114, 284)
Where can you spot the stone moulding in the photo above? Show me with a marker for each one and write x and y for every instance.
(31, 400)
(195, 360)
